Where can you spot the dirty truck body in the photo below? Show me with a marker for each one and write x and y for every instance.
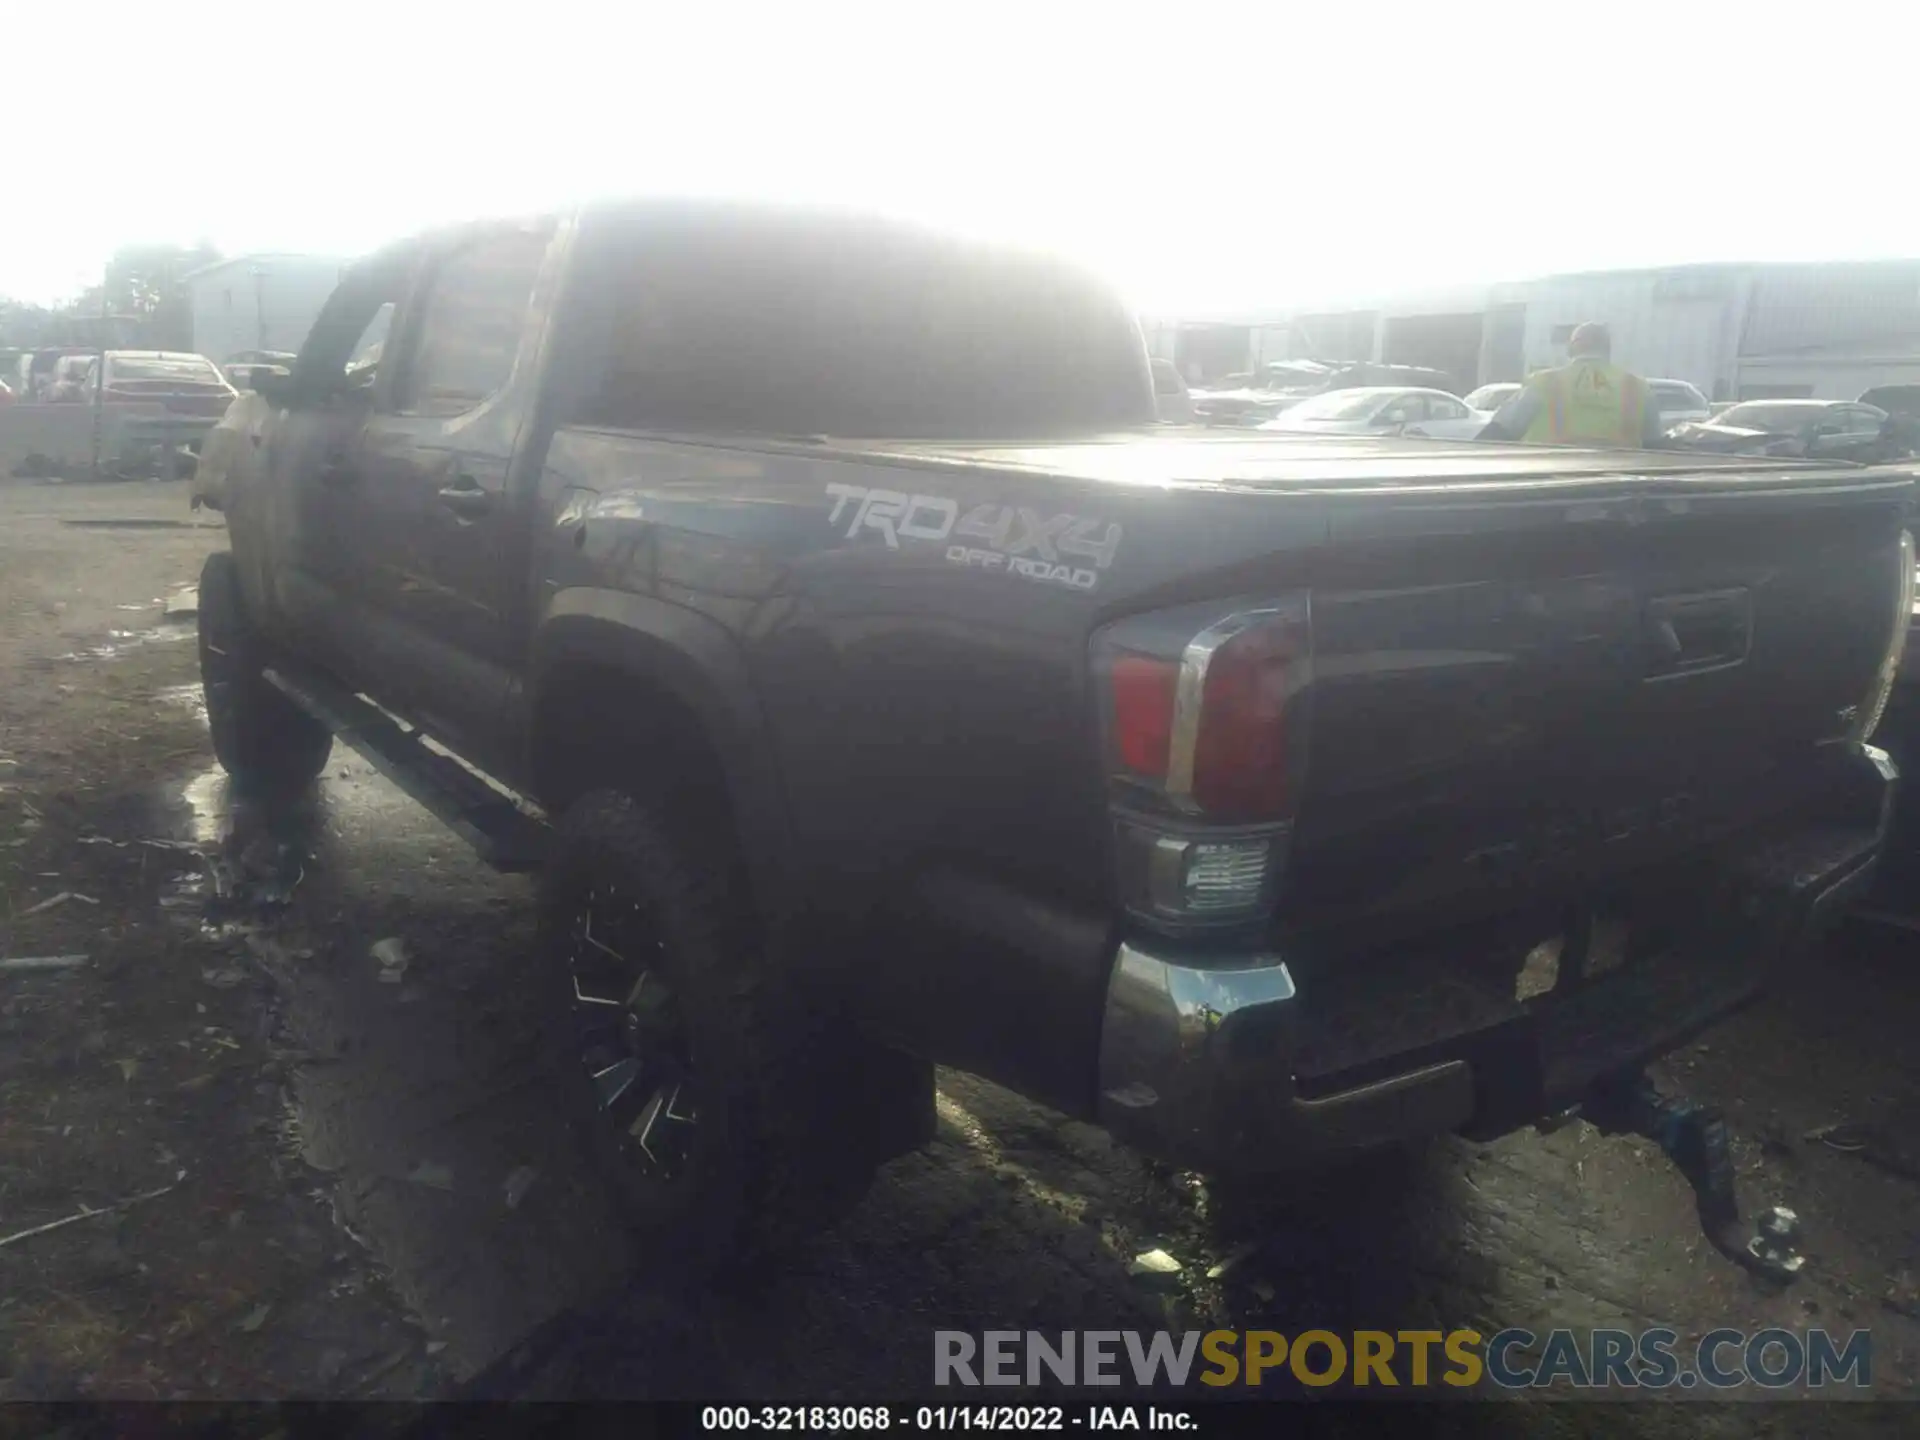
(1217, 789)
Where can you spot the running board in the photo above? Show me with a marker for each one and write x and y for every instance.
(504, 835)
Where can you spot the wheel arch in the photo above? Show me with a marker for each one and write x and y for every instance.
(682, 679)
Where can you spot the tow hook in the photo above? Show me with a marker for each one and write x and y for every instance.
(1694, 1137)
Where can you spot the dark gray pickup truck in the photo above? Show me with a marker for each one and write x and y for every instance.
(814, 605)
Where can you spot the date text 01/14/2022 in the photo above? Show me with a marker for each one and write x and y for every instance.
(855, 1418)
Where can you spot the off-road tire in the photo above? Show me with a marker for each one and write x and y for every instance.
(261, 738)
(776, 1153)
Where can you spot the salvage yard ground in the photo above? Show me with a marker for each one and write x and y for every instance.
(350, 1188)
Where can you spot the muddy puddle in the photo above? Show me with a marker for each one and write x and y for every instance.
(416, 1096)
(391, 969)
(175, 620)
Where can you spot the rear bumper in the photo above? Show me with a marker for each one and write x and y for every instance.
(140, 436)
(1250, 1063)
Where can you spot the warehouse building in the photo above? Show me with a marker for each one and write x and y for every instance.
(258, 302)
(1736, 332)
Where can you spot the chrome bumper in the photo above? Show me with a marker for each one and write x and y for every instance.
(1197, 1050)
(1194, 1069)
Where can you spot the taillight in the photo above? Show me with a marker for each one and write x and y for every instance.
(1142, 690)
(1202, 711)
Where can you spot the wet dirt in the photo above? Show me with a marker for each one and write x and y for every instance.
(370, 1154)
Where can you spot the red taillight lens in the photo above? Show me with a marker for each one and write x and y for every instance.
(1240, 757)
(1205, 720)
(1143, 695)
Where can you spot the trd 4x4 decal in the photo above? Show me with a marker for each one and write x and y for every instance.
(1014, 539)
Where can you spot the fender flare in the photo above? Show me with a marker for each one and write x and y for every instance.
(697, 661)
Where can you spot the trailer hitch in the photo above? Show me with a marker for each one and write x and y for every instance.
(1694, 1137)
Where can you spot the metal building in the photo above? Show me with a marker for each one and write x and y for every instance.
(1829, 331)
(258, 302)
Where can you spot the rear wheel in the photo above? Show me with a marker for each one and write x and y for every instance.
(262, 739)
(707, 1092)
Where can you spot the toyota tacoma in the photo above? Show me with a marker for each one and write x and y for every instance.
(813, 605)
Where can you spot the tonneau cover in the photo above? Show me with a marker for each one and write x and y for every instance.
(1311, 463)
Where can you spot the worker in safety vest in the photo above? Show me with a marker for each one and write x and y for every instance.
(1587, 401)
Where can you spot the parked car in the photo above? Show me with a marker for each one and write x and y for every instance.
(1383, 410)
(1370, 375)
(240, 374)
(283, 358)
(182, 384)
(1172, 401)
(1797, 429)
(1902, 404)
(1902, 400)
(865, 716)
(1257, 396)
(1489, 398)
(1285, 384)
(240, 367)
(1680, 403)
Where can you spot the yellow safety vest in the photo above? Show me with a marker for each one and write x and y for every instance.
(1588, 402)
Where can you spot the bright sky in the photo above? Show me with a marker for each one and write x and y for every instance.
(1206, 156)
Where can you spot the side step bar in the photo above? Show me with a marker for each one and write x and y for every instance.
(504, 836)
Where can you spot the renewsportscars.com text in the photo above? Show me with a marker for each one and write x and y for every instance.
(1655, 1359)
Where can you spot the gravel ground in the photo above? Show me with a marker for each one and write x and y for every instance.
(350, 1188)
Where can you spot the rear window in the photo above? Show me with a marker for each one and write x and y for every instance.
(819, 326)
(185, 370)
(1762, 415)
(1340, 405)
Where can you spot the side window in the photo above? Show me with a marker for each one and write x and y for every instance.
(1859, 420)
(470, 324)
(1445, 409)
(1405, 410)
(371, 344)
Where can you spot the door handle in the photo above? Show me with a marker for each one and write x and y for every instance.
(465, 497)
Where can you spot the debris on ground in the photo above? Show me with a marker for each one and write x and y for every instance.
(1871, 1144)
(392, 954)
(42, 962)
(1776, 1241)
(518, 1183)
(1844, 1136)
(1903, 1295)
(1232, 1258)
(182, 604)
(431, 1174)
(1153, 1264)
(54, 902)
(86, 1212)
(225, 978)
(255, 1319)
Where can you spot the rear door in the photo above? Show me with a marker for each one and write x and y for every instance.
(431, 533)
(1399, 413)
(1451, 419)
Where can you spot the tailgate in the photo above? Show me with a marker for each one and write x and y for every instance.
(1524, 694)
